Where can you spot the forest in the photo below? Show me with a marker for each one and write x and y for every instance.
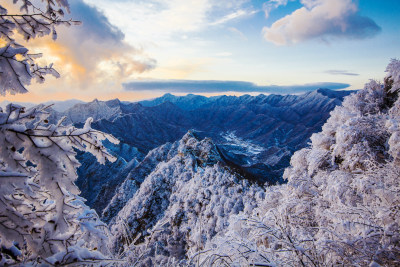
(338, 204)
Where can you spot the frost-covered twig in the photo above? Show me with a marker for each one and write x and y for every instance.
(41, 208)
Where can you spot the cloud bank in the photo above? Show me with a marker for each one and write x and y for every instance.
(93, 56)
(98, 43)
(341, 72)
(321, 19)
(164, 20)
(210, 86)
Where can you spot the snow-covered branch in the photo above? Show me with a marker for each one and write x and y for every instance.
(40, 211)
(341, 203)
(17, 66)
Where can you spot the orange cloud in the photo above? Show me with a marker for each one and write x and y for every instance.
(61, 55)
(93, 59)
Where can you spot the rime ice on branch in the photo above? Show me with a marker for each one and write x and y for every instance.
(17, 66)
(342, 200)
(42, 218)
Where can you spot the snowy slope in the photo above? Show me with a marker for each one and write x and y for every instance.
(95, 109)
(267, 130)
(134, 178)
(340, 206)
(185, 201)
(98, 182)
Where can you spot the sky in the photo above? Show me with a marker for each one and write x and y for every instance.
(138, 49)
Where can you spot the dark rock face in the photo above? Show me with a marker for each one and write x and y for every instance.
(256, 135)
(98, 182)
(135, 178)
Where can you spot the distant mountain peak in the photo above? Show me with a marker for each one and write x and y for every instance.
(113, 102)
(191, 101)
(166, 96)
(333, 93)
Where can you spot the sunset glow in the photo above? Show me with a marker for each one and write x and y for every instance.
(268, 43)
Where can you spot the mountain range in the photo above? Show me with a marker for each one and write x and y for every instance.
(59, 106)
(255, 135)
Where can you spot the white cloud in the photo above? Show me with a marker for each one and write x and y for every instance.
(91, 57)
(310, 3)
(321, 19)
(273, 4)
(341, 72)
(152, 21)
(235, 15)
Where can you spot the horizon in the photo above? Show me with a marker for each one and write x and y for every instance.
(163, 94)
(208, 48)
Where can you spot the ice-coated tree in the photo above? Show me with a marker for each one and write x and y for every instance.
(35, 19)
(341, 205)
(42, 218)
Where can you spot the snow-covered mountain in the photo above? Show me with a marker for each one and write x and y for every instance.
(59, 106)
(256, 135)
(188, 102)
(341, 203)
(187, 195)
(95, 109)
(339, 207)
(98, 182)
(134, 179)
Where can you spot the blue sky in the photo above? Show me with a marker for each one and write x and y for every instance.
(284, 45)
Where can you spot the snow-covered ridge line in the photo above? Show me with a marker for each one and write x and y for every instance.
(340, 205)
(186, 199)
(279, 124)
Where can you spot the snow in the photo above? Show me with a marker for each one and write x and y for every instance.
(183, 204)
(40, 208)
(245, 147)
(12, 174)
(186, 200)
(337, 207)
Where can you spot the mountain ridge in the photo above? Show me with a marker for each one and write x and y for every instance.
(187, 102)
(274, 125)
(191, 182)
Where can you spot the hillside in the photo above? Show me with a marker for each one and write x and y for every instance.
(341, 203)
(184, 200)
(256, 134)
